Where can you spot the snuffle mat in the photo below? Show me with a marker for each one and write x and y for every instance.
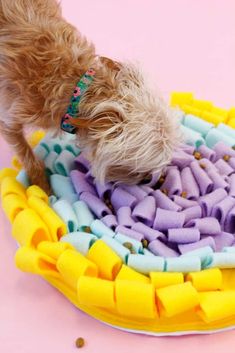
(157, 258)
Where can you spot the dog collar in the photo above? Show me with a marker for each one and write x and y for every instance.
(73, 107)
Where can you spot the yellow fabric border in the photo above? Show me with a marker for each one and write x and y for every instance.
(203, 109)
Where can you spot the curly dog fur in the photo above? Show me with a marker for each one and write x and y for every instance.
(125, 129)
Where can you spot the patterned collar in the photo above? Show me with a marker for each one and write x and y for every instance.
(73, 107)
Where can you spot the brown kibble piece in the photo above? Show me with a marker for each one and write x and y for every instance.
(226, 157)
(127, 245)
(161, 180)
(184, 194)
(165, 191)
(202, 165)
(80, 342)
(147, 180)
(197, 155)
(145, 243)
(108, 204)
(87, 229)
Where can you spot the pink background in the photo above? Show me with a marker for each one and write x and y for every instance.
(183, 45)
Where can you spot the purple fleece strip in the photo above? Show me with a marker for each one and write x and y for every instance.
(223, 167)
(170, 167)
(183, 235)
(207, 152)
(110, 221)
(229, 224)
(172, 182)
(89, 178)
(95, 204)
(145, 211)
(154, 179)
(206, 225)
(136, 191)
(187, 148)
(150, 234)
(168, 219)
(207, 165)
(204, 182)
(160, 249)
(222, 240)
(231, 182)
(130, 233)
(231, 162)
(172, 245)
(192, 212)
(184, 203)
(181, 159)
(208, 201)
(103, 190)
(80, 184)
(81, 163)
(165, 202)
(124, 217)
(208, 241)
(218, 180)
(221, 209)
(146, 189)
(120, 198)
(189, 184)
(221, 150)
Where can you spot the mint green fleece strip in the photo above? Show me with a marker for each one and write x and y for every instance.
(62, 187)
(226, 130)
(203, 253)
(64, 163)
(192, 137)
(146, 264)
(137, 245)
(100, 229)
(183, 264)
(118, 248)
(222, 260)
(215, 135)
(197, 124)
(23, 178)
(80, 240)
(50, 162)
(66, 212)
(84, 215)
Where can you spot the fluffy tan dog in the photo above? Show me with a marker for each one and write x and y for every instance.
(125, 130)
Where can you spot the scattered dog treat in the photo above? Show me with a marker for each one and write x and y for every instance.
(197, 155)
(127, 245)
(80, 342)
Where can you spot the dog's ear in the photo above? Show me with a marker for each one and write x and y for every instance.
(110, 64)
(101, 122)
(108, 119)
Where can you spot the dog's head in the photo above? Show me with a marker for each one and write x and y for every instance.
(125, 130)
